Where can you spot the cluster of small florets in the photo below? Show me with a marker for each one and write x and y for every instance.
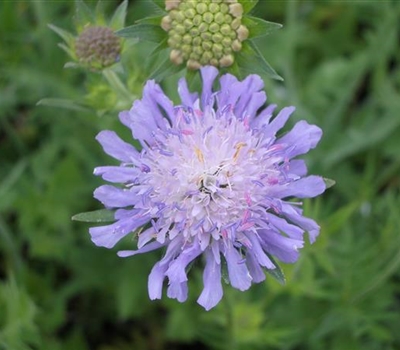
(206, 32)
(97, 47)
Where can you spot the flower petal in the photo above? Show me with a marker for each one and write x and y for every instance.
(115, 147)
(155, 281)
(186, 96)
(212, 292)
(113, 197)
(176, 272)
(302, 138)
(178, 291)
(147, 248)
(306, 187)
(117, 174)
(239, 276)
(208, 75)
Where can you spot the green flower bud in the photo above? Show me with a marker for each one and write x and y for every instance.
(97, 47)
(203, 32)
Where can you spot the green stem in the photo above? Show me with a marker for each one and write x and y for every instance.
(230, 321)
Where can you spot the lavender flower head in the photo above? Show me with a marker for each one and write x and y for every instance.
(213, 181)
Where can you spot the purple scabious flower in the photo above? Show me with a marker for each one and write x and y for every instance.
(212, 180)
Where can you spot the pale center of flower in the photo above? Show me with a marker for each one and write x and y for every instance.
(209, 175)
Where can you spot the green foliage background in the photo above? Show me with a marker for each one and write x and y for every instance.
(340, 61)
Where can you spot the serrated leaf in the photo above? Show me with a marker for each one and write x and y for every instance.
(259, 27)
(329, 182)
(101, 215)
(276, 273)
(248, 5)
(118, 19)
(251, 60)
(62, 103)
(165, 69)
(143, 31)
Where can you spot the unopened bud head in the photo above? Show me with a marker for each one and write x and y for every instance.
(204, 32)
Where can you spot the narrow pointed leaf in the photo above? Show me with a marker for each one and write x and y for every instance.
(259, 27)
(159, 48)
(99, 13)
(102, 215)
(146, 32)
(159, 3)
(62, 103)
(67, 49)
(165, 69)
(154, 20)
(276, 273)
(66, 36)
(248, 5)
(84, 15)
(250, 60)
(118, 18)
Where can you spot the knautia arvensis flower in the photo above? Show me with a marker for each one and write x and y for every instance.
(204, 32)
(213, 181)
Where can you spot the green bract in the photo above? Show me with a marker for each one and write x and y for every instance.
(96, 46)
(207, 32)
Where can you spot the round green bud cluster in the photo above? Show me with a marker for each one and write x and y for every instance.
(206, 32)
(97, 47)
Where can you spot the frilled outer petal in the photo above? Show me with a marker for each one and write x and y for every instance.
(295, 215)
(108, 236)
(117, 148)
(187, 98)
(284, 248)
(269, 129)
(306, 187)
(208, 75)
(239, 275)
(301, 138)
(212, 292)
(117, 174)
(154, 111)
(244, 96)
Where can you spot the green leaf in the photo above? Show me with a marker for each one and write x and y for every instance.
(68, 50)
(62, 103)
(251, 60)
(329, 182)
(259, 27)
(159, 48)
(160, 4)
(101, 215)
(118, 18)
(146, 32)
(276, 273)
(99, 13)
(155, 20)
(248, 5)
(84, 15)
(165, 69)
(65, 35)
